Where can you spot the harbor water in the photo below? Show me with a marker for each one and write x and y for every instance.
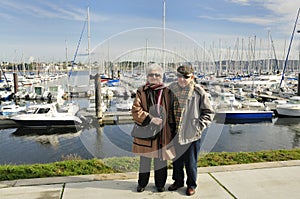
(115, 141)
(93, 141)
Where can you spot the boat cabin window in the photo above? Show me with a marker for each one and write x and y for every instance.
(294, 101)
(92, 100)
(42, 110)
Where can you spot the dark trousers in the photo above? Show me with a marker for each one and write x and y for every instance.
(188, 157)
(160, 171)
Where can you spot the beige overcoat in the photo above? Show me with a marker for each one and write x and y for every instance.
(150, 148)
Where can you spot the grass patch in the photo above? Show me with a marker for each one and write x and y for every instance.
(128, 164)
(231, 158)
(64, 168)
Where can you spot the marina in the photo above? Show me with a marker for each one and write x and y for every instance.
(243, 96)
(111, 137)
(53, 108)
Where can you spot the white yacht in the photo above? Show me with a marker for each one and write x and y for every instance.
(47, 116)
(227, 100)
(291, 108)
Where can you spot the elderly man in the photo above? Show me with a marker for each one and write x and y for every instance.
(191, 114)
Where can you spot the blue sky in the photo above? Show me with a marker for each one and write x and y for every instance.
(44, 29)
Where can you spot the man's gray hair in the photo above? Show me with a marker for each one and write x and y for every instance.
(155, 67)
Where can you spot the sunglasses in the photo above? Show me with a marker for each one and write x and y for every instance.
(183, 76)
(153, 74)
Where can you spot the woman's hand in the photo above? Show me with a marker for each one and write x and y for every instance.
(156, 120)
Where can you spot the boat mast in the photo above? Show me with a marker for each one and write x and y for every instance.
(164, 34)
(89, 40)
(287, 55)
(67, 64)
(76, 51)
(66, 47)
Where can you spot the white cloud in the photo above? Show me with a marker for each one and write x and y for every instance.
(6, 16)
(241, 2)
(49, 10)
(243, 19)
(279, 15)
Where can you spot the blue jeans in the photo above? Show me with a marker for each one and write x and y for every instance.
(187, 155)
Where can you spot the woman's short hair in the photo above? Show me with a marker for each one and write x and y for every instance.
(155, 67)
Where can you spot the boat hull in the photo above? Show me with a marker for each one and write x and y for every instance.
(288, 112)
(241, 116)
(46, 123)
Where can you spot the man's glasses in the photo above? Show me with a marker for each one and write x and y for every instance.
(183, 76)
(153, 74)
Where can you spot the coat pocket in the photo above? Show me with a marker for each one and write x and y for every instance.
(142, 142)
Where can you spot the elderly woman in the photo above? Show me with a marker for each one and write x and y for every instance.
(151, 105)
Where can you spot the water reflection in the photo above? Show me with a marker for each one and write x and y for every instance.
(50, 136)
(287, 121)
(107, 141)
(19, 146)
(47, 131)
(294, 126)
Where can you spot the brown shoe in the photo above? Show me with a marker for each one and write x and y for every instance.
(174, 187)
(190, 191)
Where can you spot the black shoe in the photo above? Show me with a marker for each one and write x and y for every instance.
(160, 189)
(174, 186)
(140, 188)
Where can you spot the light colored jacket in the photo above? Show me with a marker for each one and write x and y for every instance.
(197, 115)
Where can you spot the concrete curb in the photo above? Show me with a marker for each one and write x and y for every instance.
(133, 175)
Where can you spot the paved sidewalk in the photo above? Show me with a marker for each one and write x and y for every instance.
(274, 180)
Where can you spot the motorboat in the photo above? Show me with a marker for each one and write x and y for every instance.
(55, 92)
(38, 92)
(106, 93)
(124, 105)
(22, 93)
(259, 81)
(253, 104)
(10, 109)
(227, 100)
(47, 116)
(243, 116)
(272, 105)
(5, 94)
(289, 109)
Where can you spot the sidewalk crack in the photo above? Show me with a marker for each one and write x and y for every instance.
(62, 191)
(223, 186)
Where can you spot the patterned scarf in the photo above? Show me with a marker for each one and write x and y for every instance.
(155, 92)
(180, 100)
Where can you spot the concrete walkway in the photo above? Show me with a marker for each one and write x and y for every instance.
(272, 180)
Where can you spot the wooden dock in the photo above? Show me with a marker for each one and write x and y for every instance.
(79, 91)
(118, 117)
(111, 118)
(270, 97)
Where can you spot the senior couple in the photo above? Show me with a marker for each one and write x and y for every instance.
(183, 111)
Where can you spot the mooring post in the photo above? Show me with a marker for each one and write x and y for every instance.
(98, 98)
(15, 75)
(298, 93)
